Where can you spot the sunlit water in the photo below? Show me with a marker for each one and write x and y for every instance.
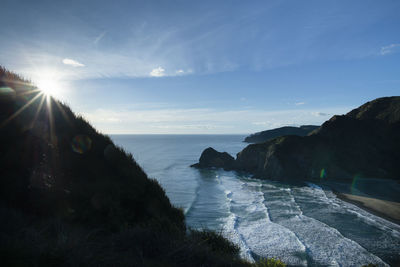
(301, 225)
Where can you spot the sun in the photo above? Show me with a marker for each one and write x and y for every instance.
(50, 87)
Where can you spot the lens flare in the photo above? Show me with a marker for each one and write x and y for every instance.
(7, 92)
(322, 174)
(354, 184)
(81, 144)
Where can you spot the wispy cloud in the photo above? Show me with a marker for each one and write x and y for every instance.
(385, 50)
(266, 125)
(158, 72)
(215, 39)
(319, 114)
(101, 36)
(300, 103)
(202, 120)
(261, 123)
(71, 62)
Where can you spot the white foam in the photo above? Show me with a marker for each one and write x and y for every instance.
(230, 232)
(325, 243)
(369, 218)
(267, 239)
(339, 205)
(267, 220)
(313, 185)
(253, 230)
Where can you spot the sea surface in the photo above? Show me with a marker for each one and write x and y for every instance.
(303, 225)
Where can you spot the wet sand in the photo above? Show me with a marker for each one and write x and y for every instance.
(386, 209)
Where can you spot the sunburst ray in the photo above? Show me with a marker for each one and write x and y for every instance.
(13, 116)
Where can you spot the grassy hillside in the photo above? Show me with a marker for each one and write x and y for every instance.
(70, 197)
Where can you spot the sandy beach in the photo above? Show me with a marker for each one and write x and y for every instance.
(386, 209)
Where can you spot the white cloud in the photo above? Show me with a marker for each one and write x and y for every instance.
(300, 103)
(389, 49)
(158, 72)
(73, 63)
(187, 127)
(180, 72)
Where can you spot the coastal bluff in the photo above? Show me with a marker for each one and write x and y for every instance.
(363, 142)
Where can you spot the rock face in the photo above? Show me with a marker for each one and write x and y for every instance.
(364, 142)
(264, 136)
(212, 158)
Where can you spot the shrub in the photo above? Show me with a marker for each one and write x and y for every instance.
(271, 262)
(215, 241)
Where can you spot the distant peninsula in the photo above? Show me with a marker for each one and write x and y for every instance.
(365, 142)
(261, 137)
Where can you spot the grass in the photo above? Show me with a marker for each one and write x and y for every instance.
(270, 263)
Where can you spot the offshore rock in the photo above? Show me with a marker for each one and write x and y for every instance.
(212, 158)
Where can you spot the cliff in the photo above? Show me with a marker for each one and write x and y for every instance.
(264, 136)
(364, 142)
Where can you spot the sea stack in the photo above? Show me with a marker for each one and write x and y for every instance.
(212, 158)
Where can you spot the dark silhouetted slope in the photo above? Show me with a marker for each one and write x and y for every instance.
(48, 152)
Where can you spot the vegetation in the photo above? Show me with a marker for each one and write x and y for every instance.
(270, 263)
(70, 197)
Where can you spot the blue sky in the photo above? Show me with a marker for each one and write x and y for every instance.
(205, 66)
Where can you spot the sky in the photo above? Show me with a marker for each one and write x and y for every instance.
(205, 67)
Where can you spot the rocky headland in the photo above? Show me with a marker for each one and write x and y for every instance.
(261, 137)
(364, 142)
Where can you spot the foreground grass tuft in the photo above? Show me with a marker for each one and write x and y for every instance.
(270, 263)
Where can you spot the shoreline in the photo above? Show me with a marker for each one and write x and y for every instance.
(387, 210)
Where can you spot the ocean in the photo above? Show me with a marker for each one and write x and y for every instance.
(303, 225)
